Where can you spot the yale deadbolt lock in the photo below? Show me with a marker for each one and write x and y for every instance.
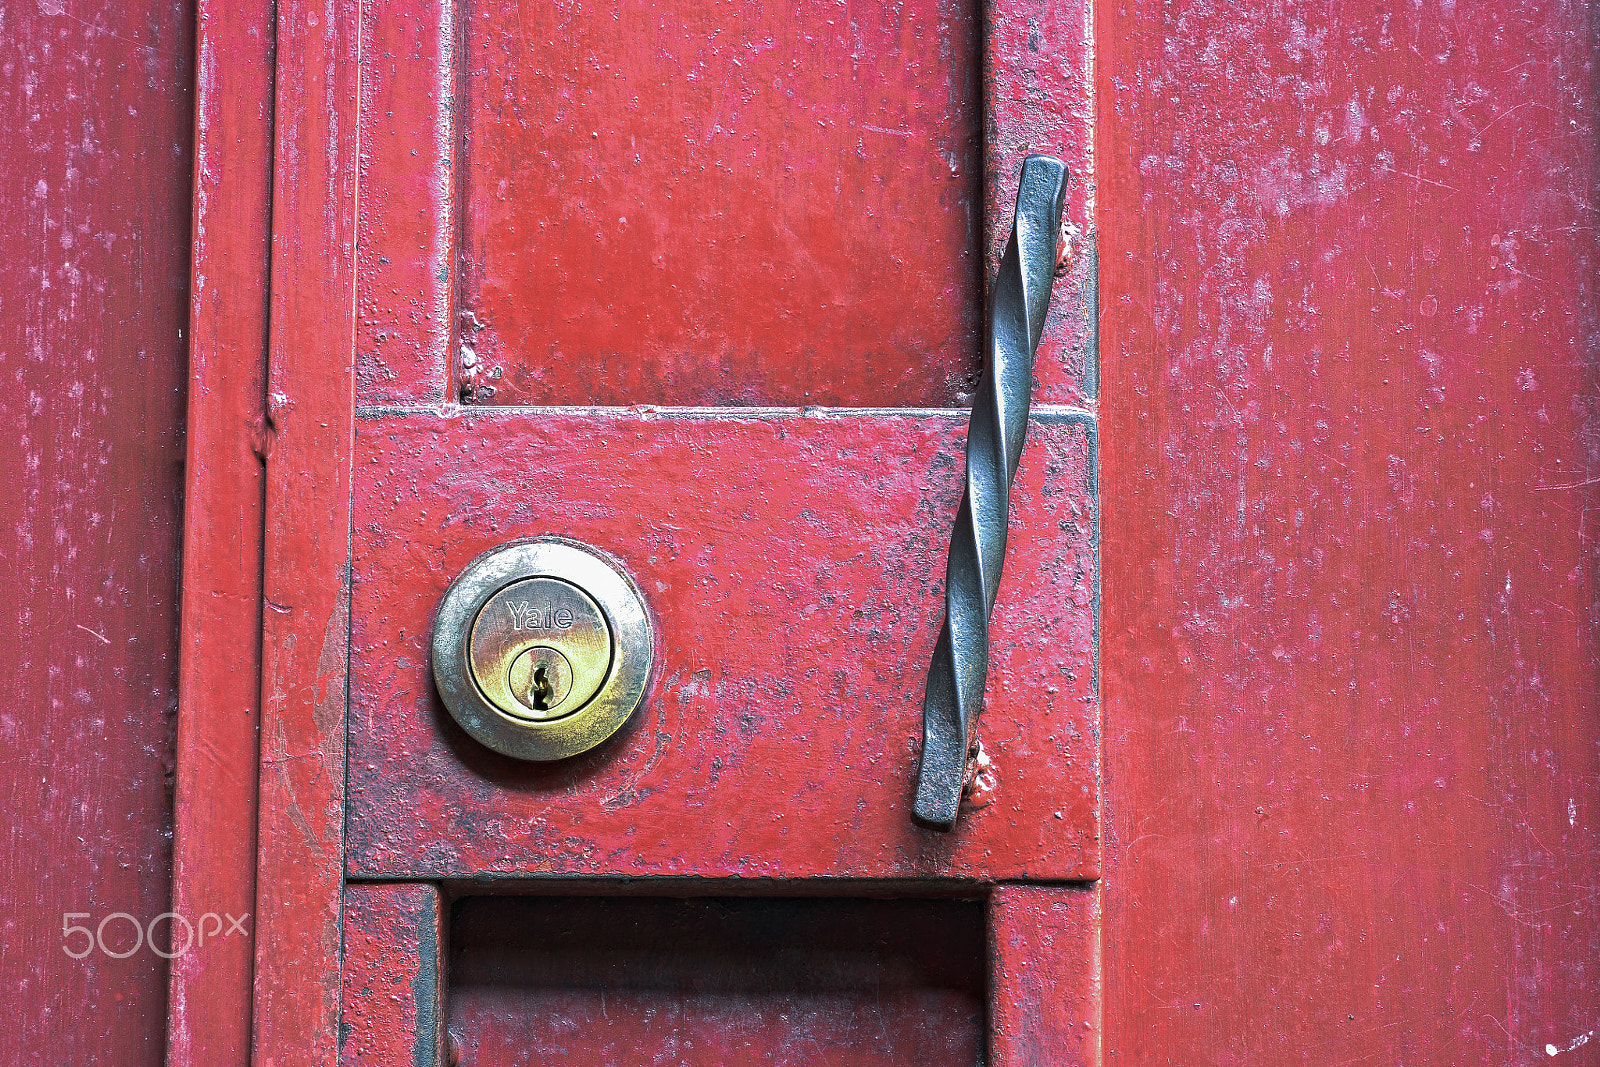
(542, 649)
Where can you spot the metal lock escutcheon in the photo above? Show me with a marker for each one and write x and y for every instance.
(542, 648)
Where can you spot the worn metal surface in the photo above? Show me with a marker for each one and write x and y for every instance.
(704, 983)
(1045, 990)
(1350, 334)
(995, 436)
(95, 125)
(392, 982)
(480, 643)
(505, 656)
(305, 575)
(792, 563)
(214, 833)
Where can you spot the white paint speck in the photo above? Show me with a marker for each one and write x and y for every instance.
(1577, 1042)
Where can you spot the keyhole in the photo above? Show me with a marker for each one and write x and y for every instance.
(541, 689)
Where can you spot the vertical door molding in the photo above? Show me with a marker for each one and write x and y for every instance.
(305, 632)
(1039, 96)
(214, 806)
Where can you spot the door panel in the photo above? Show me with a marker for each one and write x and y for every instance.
(95, 197)
(793, 564)
(907, 250)
(719, 205)
(825, 983)
(1352, 310)
(707, 202)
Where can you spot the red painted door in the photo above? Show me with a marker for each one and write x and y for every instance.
(689, 287)
(1350, 334)
(700, 285)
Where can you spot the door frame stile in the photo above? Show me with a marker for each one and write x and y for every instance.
(214, 803)
(306, 579)
(1046, 940)
(1045, 983)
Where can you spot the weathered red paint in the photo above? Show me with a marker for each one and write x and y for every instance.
(794, 565)
(94, 148)
(214, 839)
(392, 993)
(704, 983)
(792, 560)
(406, 253)
(1044, 976)
(1039, 97)
(305, 584)
(724, 203)
(1350, 336)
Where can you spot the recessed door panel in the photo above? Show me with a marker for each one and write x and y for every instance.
(716, 202)
(820, 983)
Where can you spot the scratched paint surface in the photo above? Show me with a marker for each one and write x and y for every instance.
(823, 983)
(716, 202)
(1044, 976)
(95, 125)
(794, 566)
(406, 203)
(390, 995)
(1350, 332)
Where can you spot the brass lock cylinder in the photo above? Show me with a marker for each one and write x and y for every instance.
(542, 649)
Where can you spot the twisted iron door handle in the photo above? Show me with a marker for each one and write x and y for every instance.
(995, 434)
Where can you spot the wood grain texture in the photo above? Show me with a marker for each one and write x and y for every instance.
(712, 202)
(305, 588)
(1350, 335)
(95, 127)
(214, 840)
(704, 983)
(794, 566)
(1044, 976)
(392, 993)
